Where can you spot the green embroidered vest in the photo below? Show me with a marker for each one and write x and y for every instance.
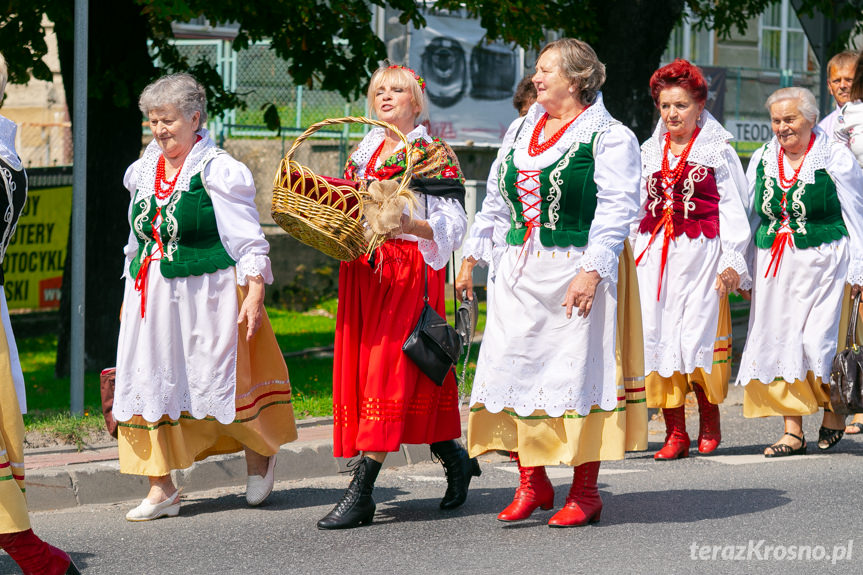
(189, 234)
(568, 195)
(816, 216)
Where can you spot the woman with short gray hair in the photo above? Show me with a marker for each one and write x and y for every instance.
(807, 217)
(199, 371)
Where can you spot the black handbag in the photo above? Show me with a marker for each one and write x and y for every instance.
(433, 345)
(846, 374)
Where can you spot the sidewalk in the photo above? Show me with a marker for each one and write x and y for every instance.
(60, 478)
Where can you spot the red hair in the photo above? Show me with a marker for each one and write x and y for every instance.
(681, 74)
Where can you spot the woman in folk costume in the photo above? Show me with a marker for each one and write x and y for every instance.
(381, 399)
(33, 556)
(691, 244)
(550, 386)
(807, 212)
(199, 371)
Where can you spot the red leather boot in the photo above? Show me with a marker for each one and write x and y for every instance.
(534, 490)
(709, 433)
(34, 556)
(676, 439)
(583, 504)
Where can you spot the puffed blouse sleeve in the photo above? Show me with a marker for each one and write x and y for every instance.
(734, 231)
(448, 222)
(754, 218)
(480, 240)
(130, 182)
(617, 174)
(848, 176)
(232, 190)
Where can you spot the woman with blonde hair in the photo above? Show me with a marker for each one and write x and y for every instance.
(381, 399)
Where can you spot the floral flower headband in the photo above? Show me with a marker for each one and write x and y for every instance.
(420, 80)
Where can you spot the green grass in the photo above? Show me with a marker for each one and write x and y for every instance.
(311, 375)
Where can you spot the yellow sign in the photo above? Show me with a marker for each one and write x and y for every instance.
(34, 261)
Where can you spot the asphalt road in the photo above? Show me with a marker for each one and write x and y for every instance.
(733, 512)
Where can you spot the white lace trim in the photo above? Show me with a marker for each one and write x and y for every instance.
(855, 272)
(198, 405)
(437, 251)
(372, 141)
(594, 119)
(734, 260)
(202, 152)
(7, 143)
(708, 149)
(252, 265)
(480, 249)
(666, 359)
(797, 369)
(815, 160)
(601, 259)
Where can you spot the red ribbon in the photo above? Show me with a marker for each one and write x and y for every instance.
(533, 177)
(141, 277)
(668, 235)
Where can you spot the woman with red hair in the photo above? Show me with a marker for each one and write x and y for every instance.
(690, 246)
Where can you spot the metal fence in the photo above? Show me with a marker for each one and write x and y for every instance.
(261, 78)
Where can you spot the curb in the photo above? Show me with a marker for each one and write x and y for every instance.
(99, 481)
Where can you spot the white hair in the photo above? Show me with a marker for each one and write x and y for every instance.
(805, 101)
(179, 90)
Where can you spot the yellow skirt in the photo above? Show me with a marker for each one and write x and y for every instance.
(671, 391)
(573, 439)
(805, 397)
(263, 423)
(13, 504)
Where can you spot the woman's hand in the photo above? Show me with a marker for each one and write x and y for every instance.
(464, 280)
(727, 282)
(581, 292)
(252, 310)
(418, 228)
(856, 289)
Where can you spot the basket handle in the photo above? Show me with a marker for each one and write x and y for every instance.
(355, 120)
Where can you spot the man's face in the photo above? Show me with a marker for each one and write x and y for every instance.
(839, 83)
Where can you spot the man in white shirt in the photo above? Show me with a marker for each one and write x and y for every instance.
(840, 76)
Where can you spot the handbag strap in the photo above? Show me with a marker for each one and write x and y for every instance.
(425, 265)
(851, 340)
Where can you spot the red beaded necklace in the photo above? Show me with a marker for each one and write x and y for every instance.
(535, 148)
(786, 182)
(670, 177)
(161, 191)
(371, 171)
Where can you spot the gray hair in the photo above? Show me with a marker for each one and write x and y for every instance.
(179, 90)
(805, 101)
(580, 65)
(4, 75)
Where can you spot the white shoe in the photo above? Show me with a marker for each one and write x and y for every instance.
(147, 511)
(259, 488)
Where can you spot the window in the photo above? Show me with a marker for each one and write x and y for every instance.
(690, 44)
(781, 40)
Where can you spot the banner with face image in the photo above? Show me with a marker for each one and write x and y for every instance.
(469, 83)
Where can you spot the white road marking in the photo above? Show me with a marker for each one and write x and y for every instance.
(427, 479)
(757, 458)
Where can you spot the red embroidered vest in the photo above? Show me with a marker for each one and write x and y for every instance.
(696, 203)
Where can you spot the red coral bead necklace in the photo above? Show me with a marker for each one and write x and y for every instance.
(788, 182)
(535, 148)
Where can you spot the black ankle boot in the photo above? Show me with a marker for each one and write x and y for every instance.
(356, 506)
(459, 469)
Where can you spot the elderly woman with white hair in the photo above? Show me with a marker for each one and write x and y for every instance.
(199, 371)
(560, 376)
(807, 217)
(16, 537)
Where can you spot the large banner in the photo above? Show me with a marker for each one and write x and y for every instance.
(34, 262)
(469, 83)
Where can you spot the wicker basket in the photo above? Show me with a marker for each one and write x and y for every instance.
(326, 213)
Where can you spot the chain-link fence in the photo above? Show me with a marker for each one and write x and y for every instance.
(44, 143)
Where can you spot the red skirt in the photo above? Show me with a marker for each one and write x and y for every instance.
(380, 397)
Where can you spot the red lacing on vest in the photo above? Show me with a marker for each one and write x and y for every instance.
(156, 252)
(527, 184)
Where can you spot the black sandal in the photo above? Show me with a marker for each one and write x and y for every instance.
(829, 437)
(857, 425)
(784, 450)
